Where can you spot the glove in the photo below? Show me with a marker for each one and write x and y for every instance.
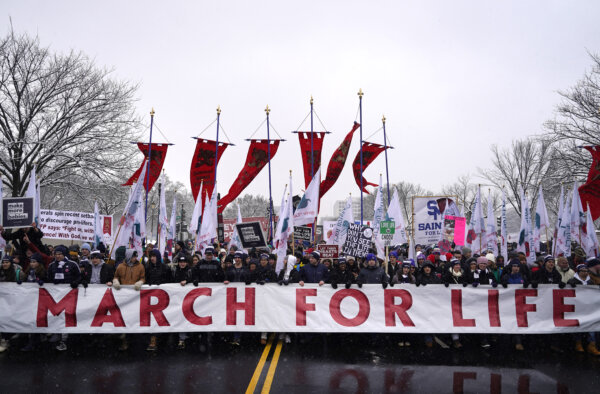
(40, 282)
(475, 284)
(392, 283)
(280, 282)
(526, 284)
(465, 284)
(56, 282)
(359, 285)
(261, 282)
(446, 284)
(348, 284)
(573, 285)
(504, 284)
(248, 281)
(334, 285)
(19, 282)
(494, 284)
(417, 283)
(534, 285)
(85, 285)
(423, 284)
(561, 285)
(138, 285)
(384, 285)
(74, 285)
(286, 282)
(116, 284)
(195, 283)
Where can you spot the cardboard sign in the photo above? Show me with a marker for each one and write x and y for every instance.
(303, 233)
(17, 212)
(251, 235)
(358, 240)
(328, 251)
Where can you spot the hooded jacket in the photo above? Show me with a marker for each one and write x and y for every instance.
(158, 273)
(129, 272)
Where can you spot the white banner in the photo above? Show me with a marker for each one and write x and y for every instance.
(429, 220)
(76, 226)
(272, 308)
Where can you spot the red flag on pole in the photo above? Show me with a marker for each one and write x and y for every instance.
(370, 152)
(203, 165)
(159, 152)
(256, 159)
(317, 143)
(589, 192)
(337, 161)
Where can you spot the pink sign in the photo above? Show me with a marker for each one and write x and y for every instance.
(454, 229)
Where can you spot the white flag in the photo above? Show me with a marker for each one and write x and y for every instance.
(503, 232)
(97, 226)
(196, 214)
(588, 236)
(377, 218)
(282, 207)
(2, 240)
(127, 222)
(541, 221)
(34, 192)
(163, 222)
(208, 228)
(343, 223)
(235, 238)
(138, 232)
(284, 227)
(563, 240)
(577, 215)
(491, 234)
(558, 219)
(172, 229)
(476, 232)
(394, 213)
(308, 208)
(525, 243)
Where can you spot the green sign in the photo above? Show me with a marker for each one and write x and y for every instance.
(387, 227)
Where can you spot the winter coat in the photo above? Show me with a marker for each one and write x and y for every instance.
(46, 258)
(129, 275)
(240, 275)
(35, 237)
(294, 276)
(399, 278)
(431, 279)
(314, 273)
(107, 273)
(32, 275)
(157, 274)
(208, 271)
(576, 280)
(339, 276)
(543, 276)
(567, 275)
(68, 273)
(372, 275)
(181, 274)
(265, 274)
(14, 274)
(483, 277)
(453, 279)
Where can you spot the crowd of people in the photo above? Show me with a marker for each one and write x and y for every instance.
(28, 259)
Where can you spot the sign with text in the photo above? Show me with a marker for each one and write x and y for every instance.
(17, 212)
(358, 240)
(454, 229)
(76, 226)
(429, 218)
(302, 233)
(251, 235)
(328, 251)
(29, 308)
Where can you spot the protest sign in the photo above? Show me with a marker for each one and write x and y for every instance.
(319, 233)
(17, 212)
(358, 240)
(454, 229)
(75, 226)
(328, 227)
(328, 251)
(429, 218)
(251, 235)
(303, 233)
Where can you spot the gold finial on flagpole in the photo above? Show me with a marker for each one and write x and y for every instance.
(360, 93)
(267, 110)
(311, 99)
(383, 119)
(152, 112)
(218, 110)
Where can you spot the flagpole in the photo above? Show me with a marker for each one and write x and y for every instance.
(479, 207)
(360, 95)
(217, 145)
(293, 238)
(148, 164)
(312, 159)
(267, 110)
(387, 173)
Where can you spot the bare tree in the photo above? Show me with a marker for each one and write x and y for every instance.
(63, 114)
(250, 206)
(406, 191)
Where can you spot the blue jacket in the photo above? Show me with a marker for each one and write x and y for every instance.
(68, 273)
(314, 273)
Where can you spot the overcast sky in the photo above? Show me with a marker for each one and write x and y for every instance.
(451, 77)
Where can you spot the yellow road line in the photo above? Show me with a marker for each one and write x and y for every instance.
(271, 372)
(259, 367)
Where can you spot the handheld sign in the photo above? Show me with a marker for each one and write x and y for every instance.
(358, 240)
(387, 227)
(328, 251)
(251, 235)
(303, 233)
(17, 212)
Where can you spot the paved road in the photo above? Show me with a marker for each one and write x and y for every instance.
(332, 363)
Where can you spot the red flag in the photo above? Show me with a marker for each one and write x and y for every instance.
(589, 192)
(370, 152)
(337, 161)
(159, 152)
(317, 142)
(203, 165)
(256, 159)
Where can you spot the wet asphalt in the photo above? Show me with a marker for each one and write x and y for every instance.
(334, 363)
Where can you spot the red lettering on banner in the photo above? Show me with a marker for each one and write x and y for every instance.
(46, 304)
(364, 308)
(302, 306)
(559, 308)
(458, 380)
(493, 308)
(457, 314)
(147, 309)
(392, 310)
(188, 307)
(522, 307)
(495, 383)
(108, 311)
(247, 306)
